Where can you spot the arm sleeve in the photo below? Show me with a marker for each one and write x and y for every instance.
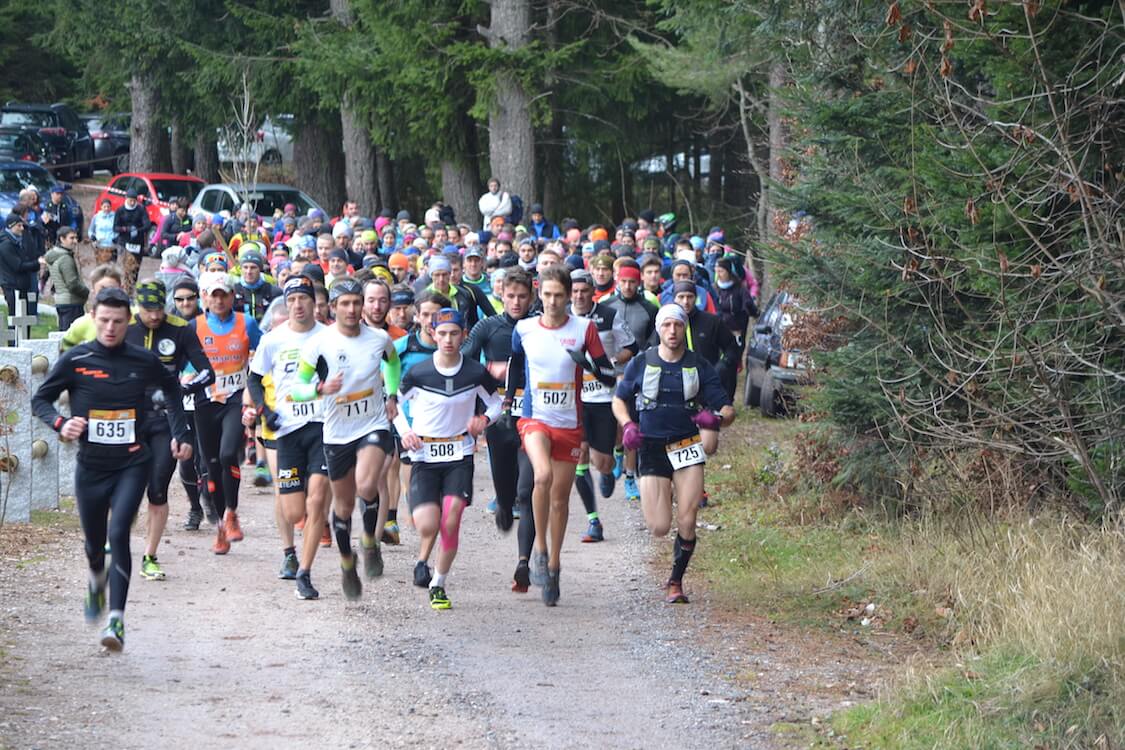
(516, 363)
(711, 391)
(603, 368)
(406, 392)
(474, 344)
(57, 381)
(486, 392)
(257, 390)
(623, 337)
(305, 389)
(392, 369)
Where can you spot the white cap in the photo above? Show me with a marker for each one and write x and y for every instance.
(670, 312)
(212, 280)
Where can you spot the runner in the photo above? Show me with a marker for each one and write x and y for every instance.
(228, 339)
(676, 393)
(302, 481)
(441, 433)
(168, 336)
(597, 415)
(357, 436)
(106, 380)
(550, 352)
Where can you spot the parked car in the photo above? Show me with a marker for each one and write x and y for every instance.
(273, 144)
(111, 136)
(17, 144)
(156, 191)
(263, 197)
(17, 175)
(774, 374)
(59, 126)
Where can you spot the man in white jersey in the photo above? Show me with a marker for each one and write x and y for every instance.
(345, 361)
(549, 354)
(302, 472)
(443, 391)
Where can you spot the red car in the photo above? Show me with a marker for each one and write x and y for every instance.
(157, 191)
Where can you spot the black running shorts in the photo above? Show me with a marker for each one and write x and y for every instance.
(430, 482)
(341, 458)
(652, 457)
(300, 454)
(600, 427)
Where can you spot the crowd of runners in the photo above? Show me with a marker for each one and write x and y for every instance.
(361, 363)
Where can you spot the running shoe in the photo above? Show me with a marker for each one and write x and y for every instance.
(222, 544)
(606, 484)
(194, 518)
(539, 568)
(438, 598)
(618, 465)
(232, 528)
(674, 593)
(504, 518)
(289, 566)
(521, 579)
(95, 602)
(150, 569)
(391, 533)
(326, 536)
(632, 492)
(113, 635)
(262, 476)
(305, 588)
(372, 557)
(551, 589)
(212, 514)
(353, 589)
(491, 507)
(422, 574)
(595, 533)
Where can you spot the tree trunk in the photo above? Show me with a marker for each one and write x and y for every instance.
(181, 149)
(459, 186)
(360, 181)
(206, 157)
(511, 137)
(715, 173)
(385, 176)
(777, 140)
(318, 162)
(147, 134)
(552, 150)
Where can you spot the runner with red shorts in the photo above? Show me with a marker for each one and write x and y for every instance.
(549, 354)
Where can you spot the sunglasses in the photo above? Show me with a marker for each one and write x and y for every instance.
(192, 298)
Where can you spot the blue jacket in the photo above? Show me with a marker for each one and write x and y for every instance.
(544, 230)
(101, 229)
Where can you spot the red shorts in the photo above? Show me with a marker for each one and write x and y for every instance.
(566, 443)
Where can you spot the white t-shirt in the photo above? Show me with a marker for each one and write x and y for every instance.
(358, 408)
(277, 356)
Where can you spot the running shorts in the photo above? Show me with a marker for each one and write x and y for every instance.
(652, 457)
(299, 455)
(341, 458)
(566, 443)
(600, 427)
(430, 482)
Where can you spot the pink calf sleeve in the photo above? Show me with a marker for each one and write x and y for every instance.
(450, 538)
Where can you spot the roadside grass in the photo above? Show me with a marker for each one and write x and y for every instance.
(1027, 610)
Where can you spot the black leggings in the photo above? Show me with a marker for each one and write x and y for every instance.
(513, 488)
(159, 443)
(108, 503)
(193, 471)
(221, 441)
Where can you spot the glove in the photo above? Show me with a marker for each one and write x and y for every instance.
(631, 436)
(707, 420)
(271, 418)
(506, 421)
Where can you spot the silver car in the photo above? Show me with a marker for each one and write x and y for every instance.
(264, 198)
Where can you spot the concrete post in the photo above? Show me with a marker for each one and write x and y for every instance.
(67, 452)
(44, 441)
(15, 435)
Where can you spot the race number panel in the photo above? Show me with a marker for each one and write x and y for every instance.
(686, 452)
(112, 426)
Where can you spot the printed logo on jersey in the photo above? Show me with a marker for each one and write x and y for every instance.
(166, 347)
(208, 340)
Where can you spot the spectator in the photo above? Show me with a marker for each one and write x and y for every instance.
(101, 233)
(176, 223)
(539, 226)
(17, 266)
(70, 291)
(494, 203)
(58, 215)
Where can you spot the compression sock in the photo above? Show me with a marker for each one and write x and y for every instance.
(392, 514)
(592, 516)
(370, 515)
(449, 537)
(585, 487)
(681, 556)
(342, 527)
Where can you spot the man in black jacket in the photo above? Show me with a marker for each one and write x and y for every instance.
(131, 225)
(18, 267)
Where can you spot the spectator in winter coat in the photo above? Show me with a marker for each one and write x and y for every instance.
(58, 214)
(175, 224)
(539, 226)
(733, 301)
(101, 227)
(494, 203)
(71, 291)
(18, 267)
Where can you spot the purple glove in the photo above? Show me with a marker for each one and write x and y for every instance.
(707, 420)
(631, 436)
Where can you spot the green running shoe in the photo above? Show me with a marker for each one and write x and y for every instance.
(353, 589)
(113, 635)
(95, 602)
(151, 570)
(372, 557)
(438, 598)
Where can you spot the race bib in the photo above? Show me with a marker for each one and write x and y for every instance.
(686, 452)
(112, 426)
(442, 450)
(517, 399)
(303, 409)
(356, 406)
(554, 396)
(227, 383)
(592, 387)
(133, 247)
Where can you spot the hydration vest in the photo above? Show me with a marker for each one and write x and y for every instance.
(650, 384)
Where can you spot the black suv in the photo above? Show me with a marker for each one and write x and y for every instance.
(111, 140)
(773, 373)
(64, 133)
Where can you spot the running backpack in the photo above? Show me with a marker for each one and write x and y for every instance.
(517, 209)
